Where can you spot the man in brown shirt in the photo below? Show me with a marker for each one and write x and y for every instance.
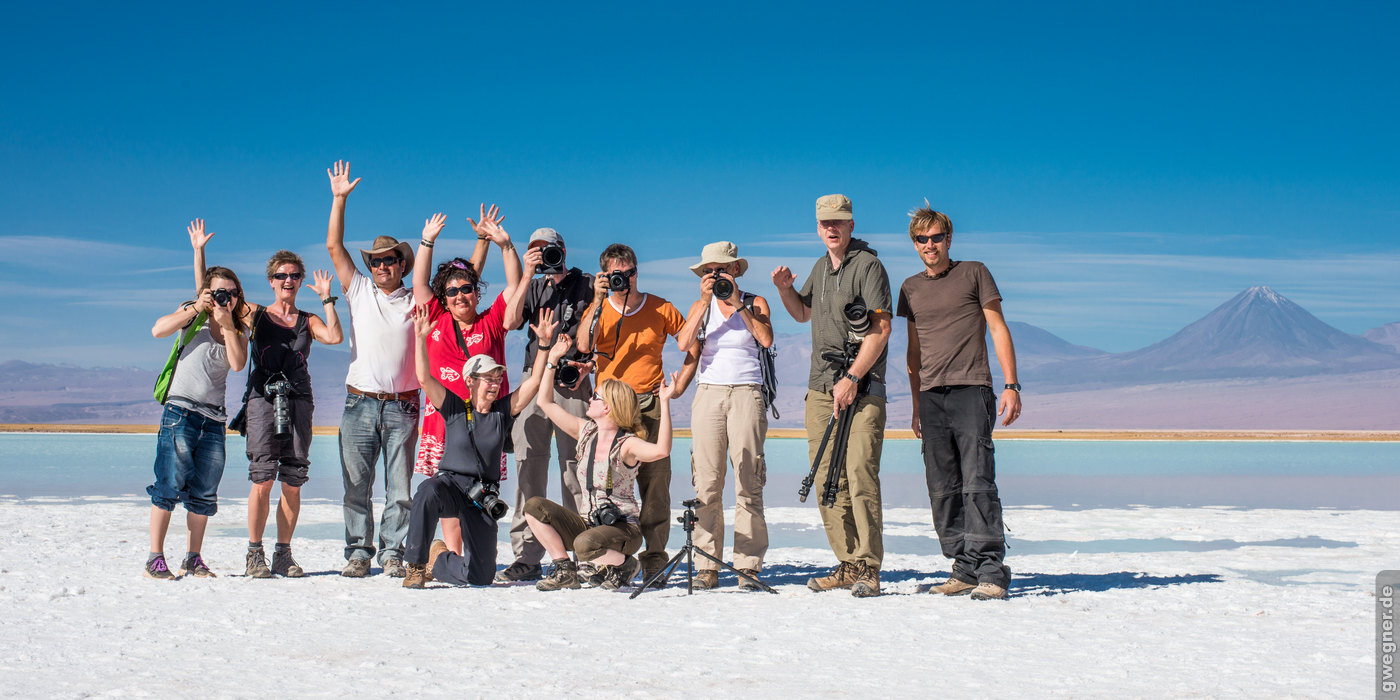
(950, 306)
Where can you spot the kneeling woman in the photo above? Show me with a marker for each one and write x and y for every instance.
(473, 451)
(605, 530)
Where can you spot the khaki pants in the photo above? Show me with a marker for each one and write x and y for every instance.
(728, 424)
(587, 541)
(654, 490)
(532, 434)
(854, 524)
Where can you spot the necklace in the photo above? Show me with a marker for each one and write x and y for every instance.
(942, 274)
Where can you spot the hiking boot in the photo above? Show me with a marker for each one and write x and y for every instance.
(257, 564)
(437, 549)
(284, 565)
(705, 579)
(867, 581)
(415, 577)
(953, 586)
(658, 583)
(591, 576)
(393, 567)
(157, 569)
(357, 567)
(621, 575)
(988, 591)
(843, 576)
(747, 585)
(563, 575)
(520, 571)
(194, 566)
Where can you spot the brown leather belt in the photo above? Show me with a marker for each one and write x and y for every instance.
(402, 396)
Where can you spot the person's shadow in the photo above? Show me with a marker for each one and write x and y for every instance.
(1022, 584)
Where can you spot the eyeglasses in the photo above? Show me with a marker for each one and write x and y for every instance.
(287, 276)
(385, 261)
(492, 379)
(936, 238)
(625, 273)
(596, 397)
(454, 291)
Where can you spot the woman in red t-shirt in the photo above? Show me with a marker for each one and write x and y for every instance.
(459, 331)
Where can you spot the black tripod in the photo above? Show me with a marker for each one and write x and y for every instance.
(687, 521)
(842, 424)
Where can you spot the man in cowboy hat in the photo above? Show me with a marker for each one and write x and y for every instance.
(381, 403)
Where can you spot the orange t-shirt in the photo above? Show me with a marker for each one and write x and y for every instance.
(635, 358)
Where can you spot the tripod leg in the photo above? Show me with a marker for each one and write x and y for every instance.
(737, 572)
(821, 450)
(838, 457)
(663, 574)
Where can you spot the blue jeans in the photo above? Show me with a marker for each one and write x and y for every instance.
(189, 461)
(368, 428)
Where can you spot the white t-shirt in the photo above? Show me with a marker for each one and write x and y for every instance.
(730, 355)
(381, 338)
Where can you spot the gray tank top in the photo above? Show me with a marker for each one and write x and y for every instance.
(198, 384)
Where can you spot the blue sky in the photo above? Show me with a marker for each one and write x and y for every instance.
(1122, 169)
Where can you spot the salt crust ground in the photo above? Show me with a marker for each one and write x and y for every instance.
(1260, 614)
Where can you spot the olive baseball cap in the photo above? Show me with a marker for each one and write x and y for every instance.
(833, 207)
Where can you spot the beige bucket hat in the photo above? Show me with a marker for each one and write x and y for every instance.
(722, 253)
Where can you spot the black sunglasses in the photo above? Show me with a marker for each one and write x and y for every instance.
(388, 260)
(936, 238)
(288, 275)
(454, 291)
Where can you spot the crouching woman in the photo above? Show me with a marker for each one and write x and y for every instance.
(467, 483)
(604, 531)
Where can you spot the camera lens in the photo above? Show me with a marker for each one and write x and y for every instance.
(857, 316)
(566, 376)
(222, 297)
(617, 282)
(551, 260)
(723, 288)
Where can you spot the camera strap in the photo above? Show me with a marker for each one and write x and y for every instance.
(461, 341)
(593, 457)
(471, 438)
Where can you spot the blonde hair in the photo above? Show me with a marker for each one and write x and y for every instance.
(925, 218)
(622, 404)
(283, 257)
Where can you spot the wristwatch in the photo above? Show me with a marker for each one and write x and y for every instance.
(1015, 386)
(550, 365)
(851, 377)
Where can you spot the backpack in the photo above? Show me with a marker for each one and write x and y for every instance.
(767, 360)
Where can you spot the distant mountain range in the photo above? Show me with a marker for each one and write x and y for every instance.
(1258, 339)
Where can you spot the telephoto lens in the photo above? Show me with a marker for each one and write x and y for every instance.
(551, 260)
(857, 316)
(280, 391)
(723, 288)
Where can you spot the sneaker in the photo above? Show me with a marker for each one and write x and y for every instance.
(843, 576)
(705, 579)
(988, 591)
(867, 581)
(437, 549)
(157, 569)
(658, 583)
(621, 575)
(953, 586)
(284, 565)
(563, 575)
(357, 567)
(257, 564)
(591, 576)
(747, 585)
(194, 566)
(520, 571)
(414, 577)
(393, 567)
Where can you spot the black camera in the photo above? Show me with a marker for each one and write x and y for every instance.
(280, 391)
(857, 316)
(551, 260)
(723, 288)
(607, 513)
(222, 297)
(620, 281)
(487, 496)
(566, 375)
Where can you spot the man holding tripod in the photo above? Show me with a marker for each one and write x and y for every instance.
(847, 299)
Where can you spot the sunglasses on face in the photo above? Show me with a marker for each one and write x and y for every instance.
(936, 238)
(596, 397)
(287, 275)
(454, 291)
(383, 262)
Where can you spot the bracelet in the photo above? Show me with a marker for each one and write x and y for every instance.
(329, 300)
(426, 243)
(510, 245)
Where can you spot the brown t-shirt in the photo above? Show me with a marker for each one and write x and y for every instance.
(951, 327)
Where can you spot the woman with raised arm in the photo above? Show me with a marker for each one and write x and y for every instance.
(277, 406)
(190, 445)
(466, 486)
(458, 331)
(604, 531)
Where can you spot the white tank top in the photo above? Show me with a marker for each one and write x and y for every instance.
(730, 355)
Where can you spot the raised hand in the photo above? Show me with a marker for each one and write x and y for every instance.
(341, 186)
(545, 327)
(432, 226)
(490, 225)
(668, 388)
(783, 277)
(322, 283)
(198, 238)
(422, 321)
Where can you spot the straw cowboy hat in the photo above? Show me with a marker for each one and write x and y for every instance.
(384, 244)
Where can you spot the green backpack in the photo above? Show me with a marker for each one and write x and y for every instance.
(168, 374)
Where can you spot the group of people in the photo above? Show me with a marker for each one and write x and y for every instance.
(593, 375)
